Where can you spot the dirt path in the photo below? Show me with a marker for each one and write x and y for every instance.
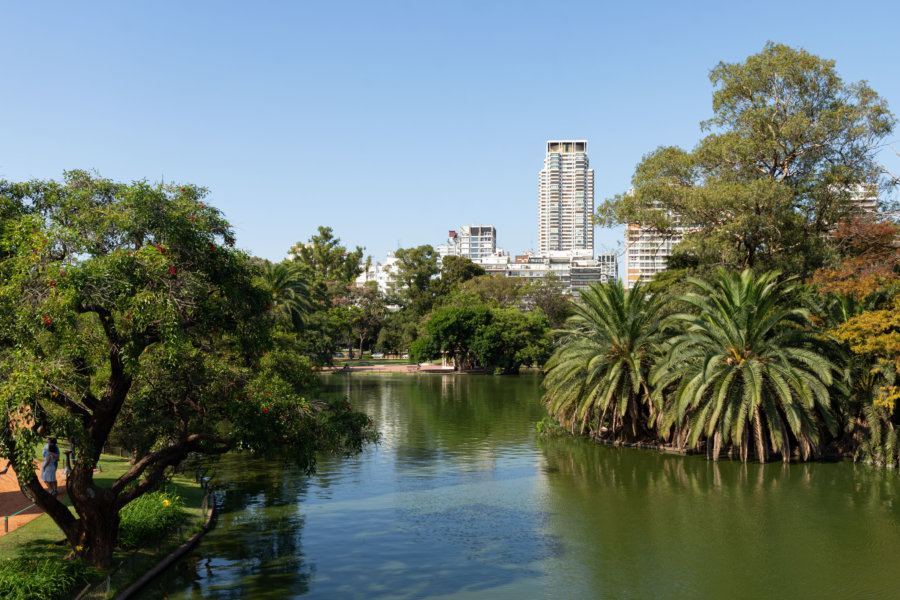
(12, 500)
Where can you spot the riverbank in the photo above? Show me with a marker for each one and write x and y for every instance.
(389, 368)
(40, 540)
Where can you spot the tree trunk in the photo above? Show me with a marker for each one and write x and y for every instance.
(717, 445)
(762, 453)
(100, 523)
(745, 443)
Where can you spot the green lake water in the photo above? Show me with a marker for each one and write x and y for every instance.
(460, 499)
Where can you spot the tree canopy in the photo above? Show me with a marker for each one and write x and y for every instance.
(790, 143)
(327, 264)
(126, 312)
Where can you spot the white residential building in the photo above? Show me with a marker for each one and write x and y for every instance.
(865, 197)
(575, 269)
(647, 252)
(472, 241)
(566, 198)
(379, 272)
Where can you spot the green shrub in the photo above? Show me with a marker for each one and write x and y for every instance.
(40, 578)
(149, 516)
(549, 427)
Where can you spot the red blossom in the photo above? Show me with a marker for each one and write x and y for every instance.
(47, 320)
(171, 270)
(128, 315)
(266, 394)
(212, 246)
(265, 351)
(52, 283)
(193, 217)
(265, 410)
(182, 189)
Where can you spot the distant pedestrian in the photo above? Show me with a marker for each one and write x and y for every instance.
(48, 468)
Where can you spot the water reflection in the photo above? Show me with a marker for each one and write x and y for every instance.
(461, 500)
(256, 542)
(722, 529)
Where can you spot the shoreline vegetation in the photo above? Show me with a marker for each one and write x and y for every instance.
(39, 547)
(735, 367)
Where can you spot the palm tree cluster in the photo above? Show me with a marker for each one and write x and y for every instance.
(733, 366)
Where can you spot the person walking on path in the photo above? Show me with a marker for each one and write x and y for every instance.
(48, 468)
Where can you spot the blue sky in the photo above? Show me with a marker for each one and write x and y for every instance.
(392, 122)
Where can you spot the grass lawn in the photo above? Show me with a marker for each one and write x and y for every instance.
(41, 538)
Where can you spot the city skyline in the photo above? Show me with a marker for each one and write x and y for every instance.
(387, 123)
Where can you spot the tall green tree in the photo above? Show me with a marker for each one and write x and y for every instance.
(289, 287)
(368, 313)
(550, 295)
(512, 339)
(497, 339)
(456, 270)
(789, 142)
(413, 276)
(498, 290)
(124, 308)
(748, 371)
(598, 376)
(328, 264)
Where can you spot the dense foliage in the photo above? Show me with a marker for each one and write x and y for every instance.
(789, 146)
(26, 578)
(746, 368)
(149, 517)
(496, 339)
(741, 367)
(598, 376)
(126, 315)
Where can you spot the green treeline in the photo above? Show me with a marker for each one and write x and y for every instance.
(433, 309)
(776, 330)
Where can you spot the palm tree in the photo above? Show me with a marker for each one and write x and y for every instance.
(598, 375)
(746, 366)
(291, 296)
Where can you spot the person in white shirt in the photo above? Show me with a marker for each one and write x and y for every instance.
(48, 468)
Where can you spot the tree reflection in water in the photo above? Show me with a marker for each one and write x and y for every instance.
(254, 551)
(721, 529)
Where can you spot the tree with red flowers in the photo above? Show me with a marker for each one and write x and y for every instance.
(126, 315)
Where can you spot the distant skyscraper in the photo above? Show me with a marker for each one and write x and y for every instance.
(566, 198)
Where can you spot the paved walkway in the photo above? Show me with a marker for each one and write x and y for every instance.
(12, 500)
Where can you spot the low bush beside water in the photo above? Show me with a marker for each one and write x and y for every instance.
(27, 578)
(549, 427)
(149, 516)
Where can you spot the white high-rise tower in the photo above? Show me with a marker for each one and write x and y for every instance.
(566, 198)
